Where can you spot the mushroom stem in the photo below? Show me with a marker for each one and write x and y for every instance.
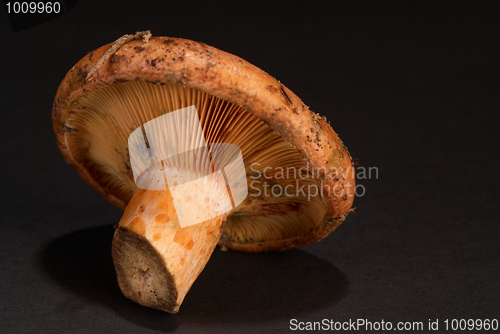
(156, 260)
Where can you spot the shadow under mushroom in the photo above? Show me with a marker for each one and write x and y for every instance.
(234, 287)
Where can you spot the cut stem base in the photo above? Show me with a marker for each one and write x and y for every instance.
(141, 272)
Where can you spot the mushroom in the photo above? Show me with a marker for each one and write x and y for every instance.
(282, 180)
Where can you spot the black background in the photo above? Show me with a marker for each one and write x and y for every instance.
(411, 88)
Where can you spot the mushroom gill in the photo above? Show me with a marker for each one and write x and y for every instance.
(283, 200)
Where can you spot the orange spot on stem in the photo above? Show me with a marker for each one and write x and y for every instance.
(183, 238)
(162, 218)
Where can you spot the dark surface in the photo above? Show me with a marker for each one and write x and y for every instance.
(411, 89)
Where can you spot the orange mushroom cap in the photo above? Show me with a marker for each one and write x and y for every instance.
(120, 86)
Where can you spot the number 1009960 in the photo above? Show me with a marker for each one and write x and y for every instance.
(33, 7)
